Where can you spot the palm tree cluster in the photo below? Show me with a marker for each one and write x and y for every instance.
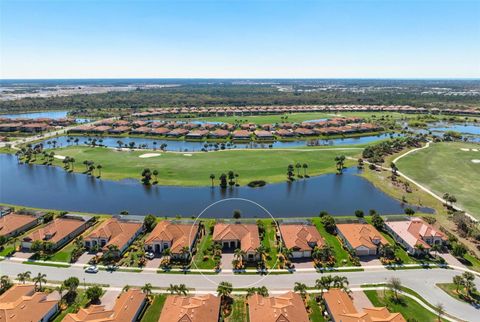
(449, 199)
(229, 179)
(263, 291)
(340, 163)
(467, 281)
(298, 166)
(224, 290)
(237, 261)
(323, 256)
(180, 289)
(5, 284)
(147, 175)
(327, 282)
(376, 153)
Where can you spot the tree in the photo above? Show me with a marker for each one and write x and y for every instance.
(224, 290)
(5, 283)
(223, 180)
(155, 174)
(329, 224)
(149, 222)
(71, 284)
(359, 213)
(111, 254)
(298, 166)
(440, 309)
(377, 221)
(212, 177)
(435, 248)
(237, 214)
(395, 285)
(93, 293)
(290, 172)
(468, 282)
(457, 281)
(147, 289)
(38, 280)
(340, 161)
(146, 176)
(409, 211)
(301, 289)
(324, 283)
(340, 282)
(23, 277)
(459, 250)
(99, 168)
(305, 167)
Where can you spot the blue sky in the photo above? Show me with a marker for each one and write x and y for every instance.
(244, 39)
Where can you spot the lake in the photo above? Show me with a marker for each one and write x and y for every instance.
(49, 114)
(53, 188)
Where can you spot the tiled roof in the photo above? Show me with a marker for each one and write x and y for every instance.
(13, 221)
(180, 235)
(117, 232)
(414, 231)
(56, 229)
(203, 308)
(125, 308)
(361, 235)
(288, 307)
(299, 237)
(22, 303)
(247, 234)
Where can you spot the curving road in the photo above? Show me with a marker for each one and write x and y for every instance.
(423, 281)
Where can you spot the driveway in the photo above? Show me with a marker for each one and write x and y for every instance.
(227, 259)
(108, 299)
(153, 263)
(370, 261)
(450, 259)
(24, 255)
(302, 263)
(360, 300)
(85, 258)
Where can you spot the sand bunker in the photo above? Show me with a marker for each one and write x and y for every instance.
(187, 155)
(476, 161)
(475, 150)
(60, 157)
(149, 155)
(465, 149)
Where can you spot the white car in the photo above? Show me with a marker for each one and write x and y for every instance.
(150, 255)
(91, 269)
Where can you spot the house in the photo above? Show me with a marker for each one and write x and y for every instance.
(4, 210)
(178, 132)
(159, 131)
(340, 308)
(413, 232)
(58, 232)
(301, 239)
(364, 239)
(141, 130)
(201, 308)
(196, 134)
(288, 307)
(284, 133)
(128, 307)
(263, 135)
(10, 127)
(219, 134)
(13, 224)
(113, 231)
(34, 127)
(22, 303)
(100, 129)
(119, 129)
(303, 131)
(241, 135)
(171, 235)
(233, 236)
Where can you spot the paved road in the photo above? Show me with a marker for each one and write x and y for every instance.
(420, 280)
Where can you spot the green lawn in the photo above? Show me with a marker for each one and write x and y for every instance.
(472, 262)
(332, 240)
(315, 312)
(408, 307)
(239, 310)
(202, 251)
(7, 249)
(63, 255)
(296, 117)
(451, 290)
(268, 241)
(152, 314)
(444, 167)
(194, 169)
(46, 264)
(80, 299)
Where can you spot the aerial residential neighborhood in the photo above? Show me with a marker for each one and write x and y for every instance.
(239, 161)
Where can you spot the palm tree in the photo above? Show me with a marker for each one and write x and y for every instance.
(173, 288)
(126, 288)
(23, 277)
(440, 309)
(262, 252)
(5, 283)
(435, 248)
(147, 289)
(185, 252)
(468, 282)
(340, 163)
(340, 282)
(224, 290)
(305, 167)
(298, 166)
(182, 289)
(458, 281)
(99, 168)
(300, 288)
(324, 283)
(212, 177)
(155, 174)
(39, 279)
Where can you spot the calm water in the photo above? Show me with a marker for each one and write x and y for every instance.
(176, 145)
(52, 187)
(34, 115)
(468, 130)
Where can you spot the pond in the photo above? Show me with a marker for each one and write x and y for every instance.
(53, 188)
(35, 115)
(471, 131)
(180, 145)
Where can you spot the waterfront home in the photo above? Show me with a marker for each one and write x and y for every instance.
(173, 236)
(301, 131)
(13, 224)
(241, 135)
(141, 130)
(100, 129)
(10, 127)
(159, 131)
(58, 232)
(22, 303)
(301, 239)
(284, 133)
(190, 126)
(413, 232)
(119, 129)
(81, 129)
(263, 135)
(288, 307)
(340, 308)
(4, 210)
(219, 134)
(233, 236)
(178, 132)
(128, 307)
(364, 239)
(113, 231)
(200, 308)
(35, 127)
(196, 134)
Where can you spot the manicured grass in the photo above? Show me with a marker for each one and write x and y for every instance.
(295, 117)
(152, 314)
(444, 167)
(63, 255)
(341, 254)
(268, 241)
(472, 262)
(46, 264)
(202, 251)
(408, 307)
(315, 312)
(194, 169)
(451, 290)
(239, 310)
(6, 250)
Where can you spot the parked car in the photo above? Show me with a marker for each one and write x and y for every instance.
(150, 255)
(91, 269)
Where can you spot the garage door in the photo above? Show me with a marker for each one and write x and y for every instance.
(297, 254)
(362, 251)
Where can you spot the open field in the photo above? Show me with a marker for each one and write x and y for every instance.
(297, 117)
(195, 169)
(445, 167)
